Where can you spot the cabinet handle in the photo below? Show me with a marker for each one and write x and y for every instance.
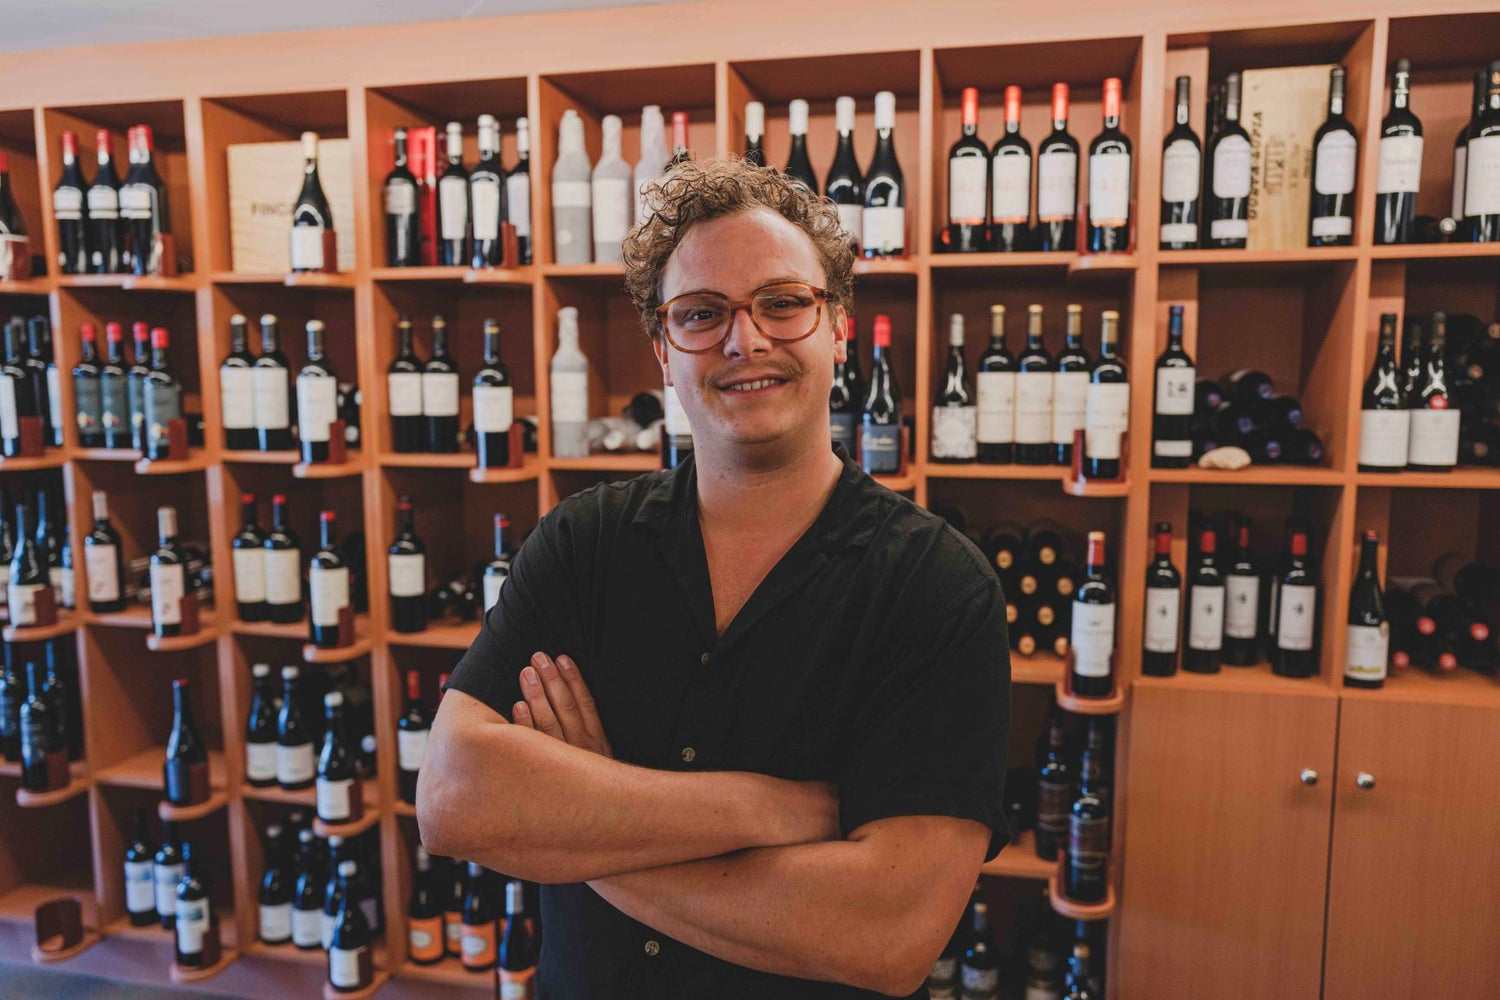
(1308, 776)
(1365, 780)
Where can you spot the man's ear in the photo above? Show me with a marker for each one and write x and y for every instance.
(663, 350)
(840, 334)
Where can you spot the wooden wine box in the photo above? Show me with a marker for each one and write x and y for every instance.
(1282, 109)
(264, 181)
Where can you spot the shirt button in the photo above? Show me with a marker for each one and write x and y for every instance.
(688, 754)
(652, 948)
(703, 659)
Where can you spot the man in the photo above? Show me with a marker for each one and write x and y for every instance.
(757, 746)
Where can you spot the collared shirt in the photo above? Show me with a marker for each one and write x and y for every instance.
(873, 656)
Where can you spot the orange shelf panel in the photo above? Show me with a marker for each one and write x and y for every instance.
(186, 814)
(138, 617)
(1461, 687)
(1244, 258)
(1463, 478)
(130, 282)
(1089, 706)
(1018, 860)
(438, 635)
(67, 621)
(352, 466)
(1254, 475)
(78, 783)
(1258, 678)
(635, 461)
(144, 770)
(50, 458)
(1039, 668)
(1075, 910)
(1435, 251)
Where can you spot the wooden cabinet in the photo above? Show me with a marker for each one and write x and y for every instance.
(1226, 860)
(1412, 909)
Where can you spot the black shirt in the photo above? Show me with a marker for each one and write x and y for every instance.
(873, 655)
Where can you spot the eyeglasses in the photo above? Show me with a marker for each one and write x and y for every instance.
(785, 311)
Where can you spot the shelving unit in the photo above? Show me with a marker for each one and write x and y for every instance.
(1311, 311)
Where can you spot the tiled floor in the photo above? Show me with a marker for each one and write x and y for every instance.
(27, 982)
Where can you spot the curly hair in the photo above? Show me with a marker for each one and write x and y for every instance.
(696, 191)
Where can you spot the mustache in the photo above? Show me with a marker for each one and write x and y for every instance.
(784, 372)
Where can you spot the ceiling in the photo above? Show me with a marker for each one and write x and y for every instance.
(45, 24)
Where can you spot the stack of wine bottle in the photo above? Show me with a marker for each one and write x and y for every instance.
(423, 398)
(1047, 957)
(456, 911)
(29, 384)
(1066, 799)
(170, 886)
(106, 226)
(316, 731)
(40, 714)
(1446, 621)
(36, 549)
(268, 581)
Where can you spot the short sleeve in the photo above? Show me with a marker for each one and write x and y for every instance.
(932, 733)
(537, 610)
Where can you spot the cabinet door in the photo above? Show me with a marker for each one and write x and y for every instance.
(1226, 847)
(1413, 909)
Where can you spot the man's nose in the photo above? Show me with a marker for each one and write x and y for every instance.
(745, 339)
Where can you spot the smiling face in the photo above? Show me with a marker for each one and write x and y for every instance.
(786, 412)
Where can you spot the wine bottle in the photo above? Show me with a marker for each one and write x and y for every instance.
(453, 202)
(487, 191)
(1035, 383)
(1171, 430)
(403, 224)
(404, 391)
(570, 390)
(1181, 170)
(424, 913)
(1054, 787)
(677, 443)
(979, 971)
(168, 576)
(105, 235)
(1435, 418)
(70, 212)
(335, 891)
(1295, 652)
(248, 550)
(412, 729)
(1205, 629)
(64, 708)
(572, 241)
(953, 414)
(519, 950)
(1367, 637)
(1335, 155)
(655, 155)
(337, 784)
(755, 132)
(135, 384)
(350, 963)
(1057, 181)
(18, 397)
(1069, 388)
(277, 889)
(1228, 202)
(296, 767)
(140, 892)
(12, 695)
(185, 774)
(283, 567)
(43, 378)
(518, 191)
(454, 886)
(968, 174)
(843, 405)
(312, 218)
(1400, 173)
(1482, 172)
(1110, 179)
(680, 151)
(440, 392)
(1010, 183)
(143, 206)
(1384, 422)
(167, 869)
(317, 398)
(237, 388)
(44, 757)
(1093, 628)
(845, 186)
(106, 571)
(880, 420)
(613, 197)
(307, 901)
(1163, 608)
(28, 574)
(1106, 404)
(271, 391)
(995, 393)
(497, 569)
(114, 397)
(883, 224)
(327, 585)
(1086, 872)
(480, 947)
(1241, 603)
(161, 398)
(406, 563)
(260, 730)
(853, 374)
(494, 404)
(798, 166)
(194, 918)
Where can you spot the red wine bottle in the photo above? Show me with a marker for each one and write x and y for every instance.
(1205, 628)
(480, 944)
(453, 202)
(237, 388)
(307, 899)
(1010, 183)
(168, 576)
(1163, 608)
(106, 570)
(953, 414)
(114, 397)
(140, 893)
(337, 785)
(277, 888)
(44, 757)
(403, 224)
(260, 730)
(519, 950)
(798, 165)
(494, 404)
(271, 385)
(327, 584)
(1181, 171)
(880, 421)
(317, 398)
(1172, 419)
(1110, 172)
(1086, 873)
(105, 235)
(186, 770)
(1227, 180)
(17, 391)
(1106, 404)
(995, 394)
(86, 391)
(195, 919)
(69, 210)
(487, 197)
(440, 392)
(883, 226)
(497, 570)
(424, 912)
(167, 869)
(1057, 181)
(1482, 173)
(1054, 787)
(161, 399)
(282, 556)
(1035, 383)
(1400, 171)
(42, 376)
(143, 206)
(968, 176)
(350, 961)
(412, 729)
(406, 563)
(1435, 416)
(1093, 628)
(1069, 387)
(135, 384)
(1335, 156)
(518, 190)
(11, 222)
(248, 550)
(1295, 651)
(845, 185)
(1241, 603)
(296, 768)
(312, 217)
(1367, 636)
(1384, 423)
(403, 381)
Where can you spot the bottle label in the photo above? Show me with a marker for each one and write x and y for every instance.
(1272, 618)
(571, 194)
(137, 201)
(307, 248)
(1042, 991)
(326, 923)
(249, 575)
(944, 972)
(1011, 202)
(192, 925)
(168, 583)
(612, 203)
(1332, 225)
(1434, 437)
(163, 404)
(307, 928)
(411, 748)
(493, 581)
(981, 984)
(400, 197)
(334, 799)
(165, 879)
(1174, 391)
(294, 764)
(485, 194)
(1294, 629)
(86, 401)
(317, 407)
(1163, 608)
(1241, 605)
(1179, 232)
(493, 409)
(995, 394)
(1069, 390)
(518, 984)
(1460, 182)
(570, 397)
(54, 396)
(140, 891)
(104, 203)
(453, 933)
(953, 429)
(237, 397)
(114, 405)
(1229, 229)
(100, 563)
(1109, 189)
(1205, 617)
(880, 448)
(453, 207)
(1106, 416)
(1482, 177)
(283, 575)
(1333, 163)
(1057, 186)
(10, 424)
(884, 228)
(1093, 639)
(518, 203)
(408, 573)
(1034, 407)
(1181, 169)
(260, 761)
(1232, 167)
(1383, 436)
(477, 946)
(344, 966)
(1400, 164)
(271, 393)
(405, 391)
(424, 938)
(966, 193)
(851, 220)
(1366, 652)
(1088, 843)
(275, 922)
(1053, 802)
(440, 394)
(329, 589)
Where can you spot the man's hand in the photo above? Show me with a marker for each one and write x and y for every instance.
(559, 704)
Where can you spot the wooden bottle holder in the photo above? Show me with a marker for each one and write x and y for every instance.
(215, 959)
(1079, 485)
(1071, 908)
(1083, 704)
(61, 928)
(192, 634)
(44, 616)
(15, 258)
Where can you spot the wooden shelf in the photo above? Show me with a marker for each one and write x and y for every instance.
(186, 814)
(89, 938)
(450, 972)
(1258, 678)
(990, 261)
(1258, 259)
(1468, 477)
(1435, 251)
(207, 633)
(196, 461)
(310, 280)
(286, 953)
(370, 818)
(352, 466)
(130, 282)
(50, 458)
(1462, 687)
(35, 286)
(1018, 860)
(516, 276)
(1096, 487)
(1038, 668)
(376, 982)
(19, 904)
(974, 470)
(634, 461)
(67, 622)
(290, 456)
(298, 632)
(1088, 706)
(438, 635)
(144, 770)
(584, 271)
(136, 617)
(184, 977)
(107, 454)
(1254, 475)
(338, 654)
(877, 267)
(1074, 910)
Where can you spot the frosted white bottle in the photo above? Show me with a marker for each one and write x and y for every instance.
(614, 199)
(572, 241)
(654, 155)
(570, 390)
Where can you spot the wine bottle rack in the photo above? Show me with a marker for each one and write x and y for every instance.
(1307, 315)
